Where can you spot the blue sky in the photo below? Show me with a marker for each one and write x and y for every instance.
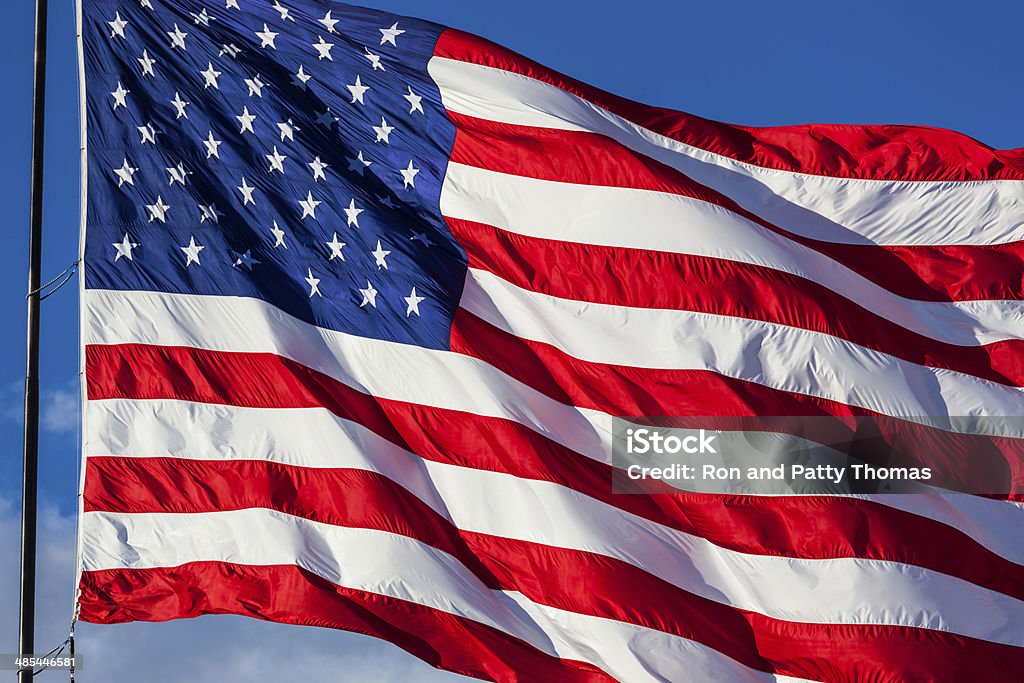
(941, 63)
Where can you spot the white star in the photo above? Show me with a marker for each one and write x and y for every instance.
(379, 255)
(335, 246)
(177, 174)
(409, 175)
(231, 50)
(267, 37)
(383, 131)
(255, 86)
(388, 35)
(358, 90)
(314, 283)
(124, 248)
(180, 105)
(328, 22)
(369, 295)
(177, 38)
(146, 3)
(117, 26)
(278, 234)
(192, 252)
(413, 302)
(309, 206)
(414, 101)
(374, 60)
(158, 211)
(300, 78)
(125, 173)
(202, 18)
(324, 49)
(147, 64)
(246, 192)
(246, 119)
(120, 96)
(210, 76)
(232, 3)
(210, 212)
(327, 119)
(288, 130)
(352, 213)
(358, 164)
(284, 11)
(211, 146)
(276, 161)
(148, 133)
(318, 169)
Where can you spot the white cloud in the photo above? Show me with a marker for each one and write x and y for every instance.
(212, 649)
(60, 410)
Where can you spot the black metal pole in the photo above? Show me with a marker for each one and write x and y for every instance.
(30, 467)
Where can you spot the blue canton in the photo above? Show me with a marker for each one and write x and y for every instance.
(291, 151)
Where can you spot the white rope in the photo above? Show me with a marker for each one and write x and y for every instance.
(67, 274)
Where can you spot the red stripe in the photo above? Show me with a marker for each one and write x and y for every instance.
(843, 151)
(292, 595)
(927, 273)
(566, 579)
(662, 280)
(805, 527)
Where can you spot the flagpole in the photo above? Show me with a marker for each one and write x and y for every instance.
(30, 467)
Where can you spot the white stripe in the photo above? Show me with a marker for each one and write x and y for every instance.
(369, 560)
(250, 325)
(841, 591)
(749, 350)
(664, 222)
(634, 653)
(839, 210)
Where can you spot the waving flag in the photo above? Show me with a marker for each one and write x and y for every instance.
(362, 295)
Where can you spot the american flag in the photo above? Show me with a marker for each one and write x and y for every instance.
(362, 294)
